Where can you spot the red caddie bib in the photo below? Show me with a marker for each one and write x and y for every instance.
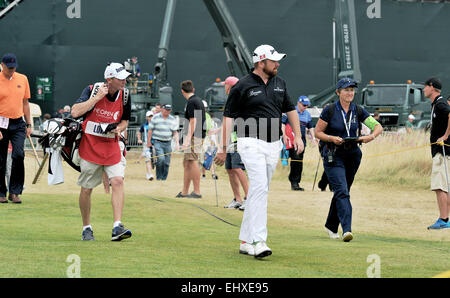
(96, 146)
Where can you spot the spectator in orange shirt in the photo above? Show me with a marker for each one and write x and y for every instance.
(15, 126)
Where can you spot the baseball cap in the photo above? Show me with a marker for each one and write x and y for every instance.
(148, 114)
(304, 100)
(345, 83)
(205, 104)
(10, 60)
(167, 107)
(434, 82)
(116, 70)
(231, 80)
(264, 52)
(411, 116)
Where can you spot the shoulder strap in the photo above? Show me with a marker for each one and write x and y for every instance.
(126, 92)
(331, 110)
(126, 95)
(359, 112)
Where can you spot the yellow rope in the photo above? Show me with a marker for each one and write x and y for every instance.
(381, 154)
(311, 161)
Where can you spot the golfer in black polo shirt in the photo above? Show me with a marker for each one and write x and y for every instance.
(256, 104)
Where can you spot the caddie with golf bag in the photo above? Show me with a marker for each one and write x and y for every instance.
(105, 109)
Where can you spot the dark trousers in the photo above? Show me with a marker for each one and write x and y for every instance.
(341, 174)
(16, 134)
(295, 175)
(323, 183)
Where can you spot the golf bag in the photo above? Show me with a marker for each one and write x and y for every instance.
(65, 134)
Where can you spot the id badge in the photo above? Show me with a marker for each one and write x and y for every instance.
(4, 122)
(96, 129)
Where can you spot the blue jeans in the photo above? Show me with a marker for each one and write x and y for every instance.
(341, 174)
(163, 151)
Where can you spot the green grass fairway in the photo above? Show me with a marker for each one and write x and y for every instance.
(174, 238)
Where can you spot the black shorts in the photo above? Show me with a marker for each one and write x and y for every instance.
(234, 161)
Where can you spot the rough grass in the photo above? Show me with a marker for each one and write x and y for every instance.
(392, 207)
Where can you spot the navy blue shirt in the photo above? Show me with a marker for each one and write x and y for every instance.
(336, 126)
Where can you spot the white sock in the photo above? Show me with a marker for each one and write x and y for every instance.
(117, 223)
(88, 226)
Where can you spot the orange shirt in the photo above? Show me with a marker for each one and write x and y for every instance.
(12, 94)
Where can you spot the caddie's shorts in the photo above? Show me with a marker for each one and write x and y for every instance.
(92, 174)
(193, 152)
(438, 177)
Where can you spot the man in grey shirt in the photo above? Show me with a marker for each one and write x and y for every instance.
(163, 128)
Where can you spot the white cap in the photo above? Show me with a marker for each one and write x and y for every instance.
(264, 52)
(148, 114)
(116, 70)
(411, 116)
(205, 103)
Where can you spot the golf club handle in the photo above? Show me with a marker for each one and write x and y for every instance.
(34, 150)
(36, 135)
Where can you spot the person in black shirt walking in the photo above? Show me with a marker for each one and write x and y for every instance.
(193, 140)
(440, 130)
(256, 104)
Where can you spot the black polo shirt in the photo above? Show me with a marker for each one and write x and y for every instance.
(257, 108)
(196, 109)
(439, 121)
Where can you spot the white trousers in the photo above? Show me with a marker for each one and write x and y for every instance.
(260, 159)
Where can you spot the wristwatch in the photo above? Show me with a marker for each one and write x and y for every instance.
(28, 125)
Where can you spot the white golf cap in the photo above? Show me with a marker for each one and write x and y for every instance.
(205, 104)
(148, 114)
(264, 52)
(116, 70)
(411, 116)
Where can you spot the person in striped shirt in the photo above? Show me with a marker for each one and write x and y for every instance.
(162, 129)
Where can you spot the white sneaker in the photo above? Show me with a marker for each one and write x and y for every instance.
(347, 236)
(233, 205)
(262, 250)
(332, 235)
(247, 249)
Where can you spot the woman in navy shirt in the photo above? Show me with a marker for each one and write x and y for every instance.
(339, 131)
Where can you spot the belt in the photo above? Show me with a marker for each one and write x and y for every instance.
(162, 141)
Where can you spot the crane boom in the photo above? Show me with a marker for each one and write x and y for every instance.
(160, 70)
(345, 50)
(239, 59)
